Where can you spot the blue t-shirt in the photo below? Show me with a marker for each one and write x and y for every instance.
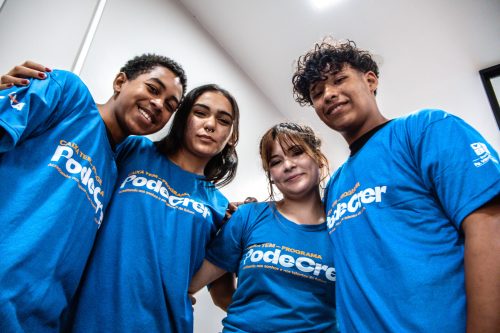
(58, 172)
(286, 278)
(152, 242)
(394, 214)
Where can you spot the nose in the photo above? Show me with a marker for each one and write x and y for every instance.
(210, 124)
(288, 164)
(157, 104)
(331, 93)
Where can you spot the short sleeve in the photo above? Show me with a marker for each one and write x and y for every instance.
(226, 250)
(26, 109)
(458, 165)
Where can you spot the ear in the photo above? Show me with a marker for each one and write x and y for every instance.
(372, 81)
(120, 79)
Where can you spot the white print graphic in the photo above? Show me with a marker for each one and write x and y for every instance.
(151, 184)
(352, 204)
(484, 154)
(285, 259)
(74, 164)
(14, 103)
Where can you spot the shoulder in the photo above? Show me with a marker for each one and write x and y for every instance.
(422, 119)
(133, 144)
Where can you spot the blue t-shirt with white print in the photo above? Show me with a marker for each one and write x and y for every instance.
(286, 277)
(58, 172)
(394, 214)
(153, 240)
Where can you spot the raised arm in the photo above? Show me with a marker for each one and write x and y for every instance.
(206, 274)
(482, 268)
(19, 74)
(222, 290)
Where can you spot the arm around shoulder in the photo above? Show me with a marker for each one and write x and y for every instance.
(482, 267)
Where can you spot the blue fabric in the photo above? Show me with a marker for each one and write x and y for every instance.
(58, 172)
(286, 279)
(394, 214)
(152, 242)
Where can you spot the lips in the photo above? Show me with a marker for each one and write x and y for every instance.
(206, 138)
(334, 108)
(147, 114)
(293, 177)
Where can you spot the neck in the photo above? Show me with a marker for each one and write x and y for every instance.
(308, 209)
(373, 121)
(109, 118)
(189, 162)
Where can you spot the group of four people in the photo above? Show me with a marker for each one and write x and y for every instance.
(113, 234)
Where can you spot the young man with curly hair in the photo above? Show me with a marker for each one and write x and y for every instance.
(414, 212)
(58, 171)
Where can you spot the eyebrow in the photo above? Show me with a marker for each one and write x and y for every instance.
(208, 108)
(160, 82)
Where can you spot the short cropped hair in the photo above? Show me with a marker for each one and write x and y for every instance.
(148, 61)
(326, 57)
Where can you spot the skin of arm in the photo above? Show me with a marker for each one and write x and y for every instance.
(482, 268)
(206, 274)
(222, 289)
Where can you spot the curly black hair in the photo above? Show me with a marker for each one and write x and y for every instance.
(147, 61)
(328, 56)
(221, 169)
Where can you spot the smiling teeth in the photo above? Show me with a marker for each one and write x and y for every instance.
(145, 114)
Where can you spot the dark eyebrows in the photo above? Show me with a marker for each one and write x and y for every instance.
(163, 87)
(219, 111)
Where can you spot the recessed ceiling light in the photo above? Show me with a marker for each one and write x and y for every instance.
(322, 4)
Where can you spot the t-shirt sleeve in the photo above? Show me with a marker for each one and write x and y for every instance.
(226, 250)
(26, 109)
(458, 165)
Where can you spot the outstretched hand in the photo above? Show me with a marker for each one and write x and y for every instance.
(19, 74)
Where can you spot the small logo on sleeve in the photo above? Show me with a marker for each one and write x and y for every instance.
(14, 103)
(484, 155)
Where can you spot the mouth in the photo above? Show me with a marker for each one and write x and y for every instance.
(147, 114)
(293, 178)
(206, 138)
(334, 108)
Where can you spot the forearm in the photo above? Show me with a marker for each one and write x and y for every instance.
(207, 273)
(482, 269)
(222, 289)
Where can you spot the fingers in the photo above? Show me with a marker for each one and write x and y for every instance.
(192, 298)
(7, 81)
(250, 199)
(19, 74)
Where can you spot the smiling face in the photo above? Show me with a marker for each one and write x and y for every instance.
(209, 126)
(293, 171)
(145, 104)
(345, 101)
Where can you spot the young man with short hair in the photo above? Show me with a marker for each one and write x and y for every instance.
(58, 171)
(414, 213)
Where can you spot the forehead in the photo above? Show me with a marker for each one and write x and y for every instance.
(164, 76)
(215, 101)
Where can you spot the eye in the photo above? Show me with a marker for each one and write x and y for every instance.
(339, 80)
(154, 90)
(274, 162)
(296, 151)
(226, 121)
(171, 107)
(200, 113)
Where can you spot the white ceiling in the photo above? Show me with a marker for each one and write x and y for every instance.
(417, 43)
